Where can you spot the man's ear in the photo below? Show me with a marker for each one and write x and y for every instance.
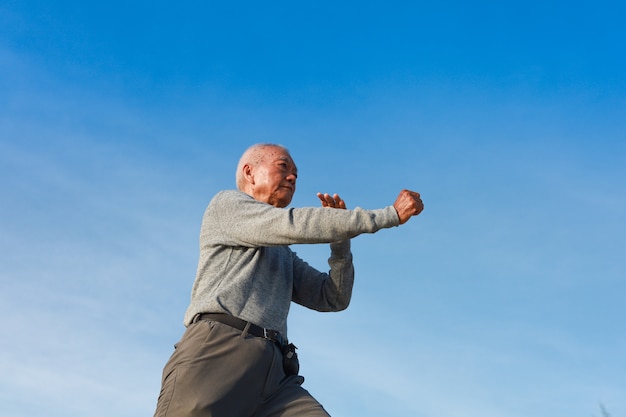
(248, 174)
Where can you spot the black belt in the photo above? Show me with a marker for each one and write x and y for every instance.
(240, 324)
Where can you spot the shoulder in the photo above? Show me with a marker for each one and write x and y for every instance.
(236, 203)
(227, 196)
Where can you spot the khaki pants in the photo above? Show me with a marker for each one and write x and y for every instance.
(217, 371)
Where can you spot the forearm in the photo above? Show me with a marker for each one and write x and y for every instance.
(326, 292)
(339, 287)
(243, 221)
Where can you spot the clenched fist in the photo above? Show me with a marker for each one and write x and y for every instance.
(408, 204)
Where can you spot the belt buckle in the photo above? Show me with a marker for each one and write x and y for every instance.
(269, 334)
(274, 336)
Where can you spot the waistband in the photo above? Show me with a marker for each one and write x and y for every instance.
(244, 326)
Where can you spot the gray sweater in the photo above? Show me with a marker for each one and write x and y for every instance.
(247, 270)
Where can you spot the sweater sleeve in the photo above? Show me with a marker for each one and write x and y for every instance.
(244, 221)
(325, 292)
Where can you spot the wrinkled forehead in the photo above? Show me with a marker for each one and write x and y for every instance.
(275, 154)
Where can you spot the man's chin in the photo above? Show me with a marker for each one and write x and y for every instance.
(280, 202)
(283, 203)
(284, 199)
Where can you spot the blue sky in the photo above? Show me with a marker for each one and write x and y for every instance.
(505, 298)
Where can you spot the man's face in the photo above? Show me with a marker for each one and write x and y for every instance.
(275, 178)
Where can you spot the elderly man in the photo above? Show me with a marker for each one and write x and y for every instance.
(234, 359)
